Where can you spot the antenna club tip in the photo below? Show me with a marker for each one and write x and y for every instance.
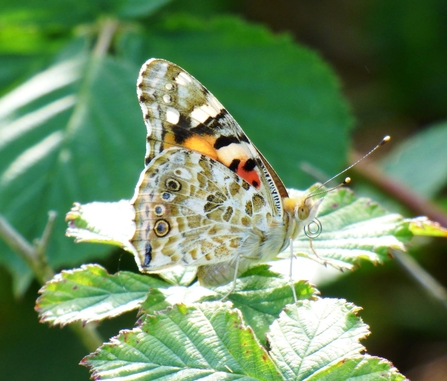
(347, 180)
(386, 139)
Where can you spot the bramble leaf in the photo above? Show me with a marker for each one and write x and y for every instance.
(185, 343)
(91, 294)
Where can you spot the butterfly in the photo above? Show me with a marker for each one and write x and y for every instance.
(207, 197)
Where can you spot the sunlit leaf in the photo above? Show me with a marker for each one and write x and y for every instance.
(91, 294)
(187, 343)
(261, 295)
(365, 368)
(311, 335)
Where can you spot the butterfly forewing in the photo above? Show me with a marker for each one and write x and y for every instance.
(180, 112)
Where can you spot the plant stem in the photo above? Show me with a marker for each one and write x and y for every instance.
(88, 335)
(105, 36)
(25, 250)
(403, 194)
(430, 285)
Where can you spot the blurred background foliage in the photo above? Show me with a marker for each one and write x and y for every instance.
(311, 82)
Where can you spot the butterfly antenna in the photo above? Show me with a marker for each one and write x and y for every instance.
(346, 181)
(385, 140)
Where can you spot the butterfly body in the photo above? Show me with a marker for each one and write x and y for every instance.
(207, 197)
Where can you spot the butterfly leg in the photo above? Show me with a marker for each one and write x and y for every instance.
(233, 284)
(321, 260)
(291, 271)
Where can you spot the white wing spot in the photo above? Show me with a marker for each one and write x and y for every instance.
(203, 112)
(169, 86)
(172, 115)
(228, 153)
(183, 79)
(167, 98)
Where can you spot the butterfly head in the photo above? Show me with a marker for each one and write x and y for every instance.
(306, 210)
(302, 211)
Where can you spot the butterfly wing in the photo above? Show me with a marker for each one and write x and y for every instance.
(192, 210)
(180, 112)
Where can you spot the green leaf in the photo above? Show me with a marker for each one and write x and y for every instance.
(53, 15)
(179, 275)
(365, 368)
(59, 139)
(155, 301)
(14, 67)
(312, 335)
(423, 227)
(91, 294)
(140, 8)
(185, 343)
(261, 295)
(312, 340)
(419, 162)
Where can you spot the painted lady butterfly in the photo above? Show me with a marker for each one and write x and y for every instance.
(207, 197)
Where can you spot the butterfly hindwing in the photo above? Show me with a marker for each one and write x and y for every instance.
(192, 210)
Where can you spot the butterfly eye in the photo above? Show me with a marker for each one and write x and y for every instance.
(303, 212)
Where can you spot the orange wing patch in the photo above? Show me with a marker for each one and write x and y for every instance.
(236, 156)
(202, 144)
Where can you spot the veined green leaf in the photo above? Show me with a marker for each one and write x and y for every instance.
(91, 294)
(261, 295)
(103, 222)
(185, 343)
(365, 368)
(311, 335)
(353, 229)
